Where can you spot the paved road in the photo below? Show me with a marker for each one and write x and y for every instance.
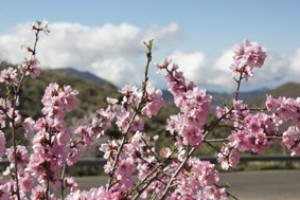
(264, 185)
(256, 185)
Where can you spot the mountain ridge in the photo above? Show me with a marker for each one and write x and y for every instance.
(289, 89)
(83, 74)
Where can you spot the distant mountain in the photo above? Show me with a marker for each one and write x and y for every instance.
(83, 75)
(92, 90)
(290, 89)
(220, 98)
(167, 96)
(255, 97)
(93, 95)
(253, 93)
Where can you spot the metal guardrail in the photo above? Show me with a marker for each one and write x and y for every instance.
(100, 162)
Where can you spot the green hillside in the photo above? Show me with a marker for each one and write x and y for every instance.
(290, 89)
(92, 95)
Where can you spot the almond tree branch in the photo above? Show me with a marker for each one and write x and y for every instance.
(136, 112)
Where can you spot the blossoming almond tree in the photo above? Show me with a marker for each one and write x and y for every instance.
(135, 168)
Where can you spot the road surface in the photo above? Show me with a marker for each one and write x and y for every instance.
(253, 185)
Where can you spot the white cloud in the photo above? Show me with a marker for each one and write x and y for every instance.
(110, 51)
(191, 64)
(206, 71)
(295, 61)
(161, 34)
(116, 53)
(213, 72)
(118, 70)
(224, 61)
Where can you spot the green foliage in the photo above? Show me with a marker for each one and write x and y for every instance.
(290, 89)
(92, 96)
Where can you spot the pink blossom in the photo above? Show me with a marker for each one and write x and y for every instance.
(164, 65)
(194, 105)
(228, 157)
(251, 52)
(54, 145)
(192, 136)
(30, 67)
(131, 97)
(273, 104)
(94, 194)
(14, 114)
(238, 139)
(28, 125)
(73, 155)
(9, 76)
(104, 119)
(86, 134)
(247, 56)
(22, 156)
(287, 109)
(291, 139)
(35, 165)
(124, 173)
(173, 124)
(70, 183)
(51, 140)
(154, 101)
(198, 181)
(39, 192)
(220, 112)
(40, 26)
(213, 192)
(4, 191)
(127, 124)
(205, 172)
(58, 101)
(252, 131)
(165, 152)
(239, 105)
(136, 138)
(108, 148)
(26, 182)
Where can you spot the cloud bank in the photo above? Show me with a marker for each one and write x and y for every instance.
(116, 53)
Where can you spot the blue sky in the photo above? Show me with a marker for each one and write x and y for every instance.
(207, 29)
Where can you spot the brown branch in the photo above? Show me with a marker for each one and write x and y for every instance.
(239, 81)
(139, 192)
(166, 190)
(137, 111)
(215, 140)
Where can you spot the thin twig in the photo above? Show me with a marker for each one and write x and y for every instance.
(137, 111)
(215, 140)
(13, 118)
(144, 181)
(239, 81)
(231, 195)
(166, 190)
(62, 187)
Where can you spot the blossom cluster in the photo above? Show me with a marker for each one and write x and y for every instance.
(135, 167)
(40, 26)
(287, 110)
(193, 103)
(247, 56)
